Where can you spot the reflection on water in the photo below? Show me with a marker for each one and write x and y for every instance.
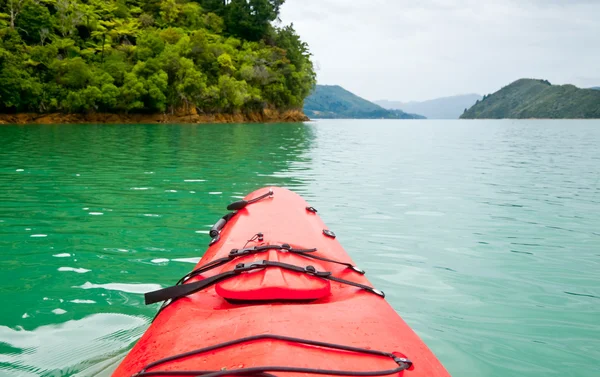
(484, 235)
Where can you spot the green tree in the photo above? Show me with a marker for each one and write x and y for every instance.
(68, 16)
(13, 9)
(251, 19)
(72, 73)
(34, 22)
(226, 63)
(169, 11)
(132, 93)
(232, 94)
(215, 6)
(149, 45)
(109, 97)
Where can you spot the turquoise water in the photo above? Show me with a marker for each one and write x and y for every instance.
(485, 235)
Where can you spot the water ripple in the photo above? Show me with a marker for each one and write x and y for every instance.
(484, 235)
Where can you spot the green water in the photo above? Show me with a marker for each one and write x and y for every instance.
(484, 235)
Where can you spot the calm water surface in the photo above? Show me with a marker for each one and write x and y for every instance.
(484, 234)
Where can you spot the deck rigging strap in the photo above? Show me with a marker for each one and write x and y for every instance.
(178, 291)
(235, 253)
(401, 362)
(215, 231)
(236, 206)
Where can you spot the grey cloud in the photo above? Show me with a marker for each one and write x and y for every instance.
(413, 50)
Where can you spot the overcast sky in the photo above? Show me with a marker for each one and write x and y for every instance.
(423, 49)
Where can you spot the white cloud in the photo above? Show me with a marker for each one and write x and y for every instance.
(414, 50)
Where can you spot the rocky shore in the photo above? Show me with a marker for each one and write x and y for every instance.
(266, 116)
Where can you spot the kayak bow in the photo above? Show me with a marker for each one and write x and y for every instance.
(276, 294)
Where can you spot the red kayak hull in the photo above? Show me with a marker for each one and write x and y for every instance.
(299, 306)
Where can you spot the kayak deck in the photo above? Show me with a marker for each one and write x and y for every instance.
(277, 301)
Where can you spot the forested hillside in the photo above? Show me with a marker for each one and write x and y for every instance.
(136, 56)
(335, 102)
(527, 98)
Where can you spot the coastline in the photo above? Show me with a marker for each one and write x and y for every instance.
(265, 116)
(527, 119)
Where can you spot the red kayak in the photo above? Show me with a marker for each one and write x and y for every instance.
(276, 295)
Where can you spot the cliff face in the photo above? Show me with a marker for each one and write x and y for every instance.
(266, 116)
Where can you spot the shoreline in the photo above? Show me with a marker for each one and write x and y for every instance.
(266, 116)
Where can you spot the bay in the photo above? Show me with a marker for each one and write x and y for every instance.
(485, 235)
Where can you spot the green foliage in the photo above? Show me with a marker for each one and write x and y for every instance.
(537, 99)
(34, 22)
(72, 73)
(149, 56)
(149, 45)
(233, 94)
(251, 19)
(214, 6)
(336, 102)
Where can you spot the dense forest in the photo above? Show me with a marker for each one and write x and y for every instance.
(528, 98)
(149, 56)
(335, 102)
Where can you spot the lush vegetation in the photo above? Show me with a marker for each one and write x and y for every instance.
(336, 102)
(527, 98)
(439, 108)
(149, 56)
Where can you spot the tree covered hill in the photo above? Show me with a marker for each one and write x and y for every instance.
(149, 56)
(333, 101)
(528, 98)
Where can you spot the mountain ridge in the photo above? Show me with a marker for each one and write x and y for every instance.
(450, 107)
(335, 102)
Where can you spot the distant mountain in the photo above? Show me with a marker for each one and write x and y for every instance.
(333, 101)
(527, 98)
(595, 87)
(439, 108)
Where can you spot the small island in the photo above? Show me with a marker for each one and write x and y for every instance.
(537, 99)
(120, 61)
